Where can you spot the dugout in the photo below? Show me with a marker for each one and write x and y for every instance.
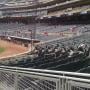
(23, 41)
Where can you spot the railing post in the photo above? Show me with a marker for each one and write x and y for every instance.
(57, 85)
(60, 84)
(69, 86)
(16, 80)
(66, 84)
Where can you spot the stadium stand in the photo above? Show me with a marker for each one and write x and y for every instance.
(57, 55)
(61, 58)
(44, 31)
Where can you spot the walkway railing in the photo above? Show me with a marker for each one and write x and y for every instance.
(14, 78)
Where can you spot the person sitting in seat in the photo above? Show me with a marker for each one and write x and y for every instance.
(81, 48)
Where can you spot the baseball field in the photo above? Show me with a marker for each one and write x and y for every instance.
(10, 49)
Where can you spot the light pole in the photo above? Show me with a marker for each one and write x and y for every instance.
(34, 25)
(31, 41)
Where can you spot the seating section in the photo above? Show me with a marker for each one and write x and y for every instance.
(44, 32)
(57, 55)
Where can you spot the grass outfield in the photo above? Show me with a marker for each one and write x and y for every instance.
(2, 49)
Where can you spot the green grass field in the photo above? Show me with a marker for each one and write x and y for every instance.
(2, 49)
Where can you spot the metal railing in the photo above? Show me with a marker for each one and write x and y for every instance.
(14, 78)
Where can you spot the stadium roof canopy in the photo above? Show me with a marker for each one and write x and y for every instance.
(11, 3)
(16, 2)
